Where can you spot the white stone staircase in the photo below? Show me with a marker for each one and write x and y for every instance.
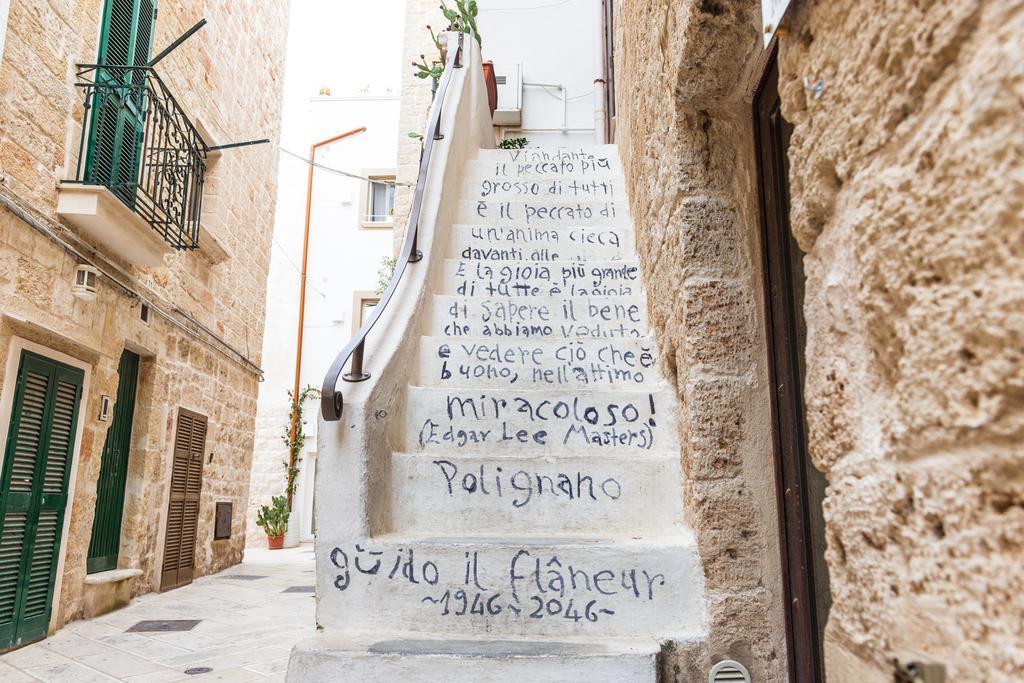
(533, 512)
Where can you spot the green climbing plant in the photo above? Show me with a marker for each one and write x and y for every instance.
(385, 273)
(295, 439)
(462, 19)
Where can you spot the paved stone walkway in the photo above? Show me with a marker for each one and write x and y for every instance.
(245, 633)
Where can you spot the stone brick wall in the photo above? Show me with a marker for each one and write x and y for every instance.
(228, 79)
(906, 195)
(684, 132)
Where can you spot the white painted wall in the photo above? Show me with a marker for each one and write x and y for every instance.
(556, 41)
(322, 51)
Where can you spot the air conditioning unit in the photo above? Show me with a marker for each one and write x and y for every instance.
(510, 94)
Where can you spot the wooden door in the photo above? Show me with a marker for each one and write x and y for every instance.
(106, 523)
(36, 470)
(183, 508)
(800, 487)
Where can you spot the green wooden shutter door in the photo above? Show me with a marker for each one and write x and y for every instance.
(37, 463)
(106, 524)
(119, 114)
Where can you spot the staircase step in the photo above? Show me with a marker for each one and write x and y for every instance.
(544, 213)
(580, 363)
(558, 169)
(565, 587)
(568, 188)
(531, 280)
(493, 243)
(553, 317)
(541, 422)
(503, 495)
(553, 152)
(380, 659)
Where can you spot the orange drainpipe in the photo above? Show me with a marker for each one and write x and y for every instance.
(302, 282)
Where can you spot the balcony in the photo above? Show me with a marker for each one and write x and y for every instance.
(138, 185)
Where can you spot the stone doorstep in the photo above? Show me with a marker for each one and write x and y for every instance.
(111, 576)
(107, 591)
(357, 657)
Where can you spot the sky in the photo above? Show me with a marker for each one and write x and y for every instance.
(345, 45)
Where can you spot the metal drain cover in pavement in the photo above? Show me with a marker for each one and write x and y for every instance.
(241, 577)
(164, 625)
(299, 589)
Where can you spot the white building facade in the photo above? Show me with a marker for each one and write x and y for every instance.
(349, 226)
(555, 48)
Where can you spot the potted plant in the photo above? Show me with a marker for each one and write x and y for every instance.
(273, 519)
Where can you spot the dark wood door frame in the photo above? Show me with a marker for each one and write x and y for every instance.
(785, 376)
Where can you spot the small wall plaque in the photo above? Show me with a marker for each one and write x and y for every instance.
(222, 521)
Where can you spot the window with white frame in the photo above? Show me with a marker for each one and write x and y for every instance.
(380, 200)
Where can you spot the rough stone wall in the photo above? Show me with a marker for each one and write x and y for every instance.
(228, 79)
(908, 197)
(684, 132)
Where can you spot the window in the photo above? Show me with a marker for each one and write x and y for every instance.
(382, 201)
(363, 303)
(377, 208)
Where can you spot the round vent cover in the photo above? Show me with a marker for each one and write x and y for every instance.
(729, 671)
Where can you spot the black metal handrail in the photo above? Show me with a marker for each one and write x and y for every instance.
(138, 142)
(331, 401)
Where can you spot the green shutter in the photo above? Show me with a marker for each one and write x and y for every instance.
(106, 524)
(34, 493)
(119, 113)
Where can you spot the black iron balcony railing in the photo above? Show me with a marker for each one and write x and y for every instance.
(139, 143)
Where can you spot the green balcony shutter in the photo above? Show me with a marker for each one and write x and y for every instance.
(34, 494)
(119, 107)
(106, 524)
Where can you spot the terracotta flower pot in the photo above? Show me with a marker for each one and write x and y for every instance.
(275, 542)
(492, 86)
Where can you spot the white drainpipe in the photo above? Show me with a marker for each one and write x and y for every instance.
(599, 80)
